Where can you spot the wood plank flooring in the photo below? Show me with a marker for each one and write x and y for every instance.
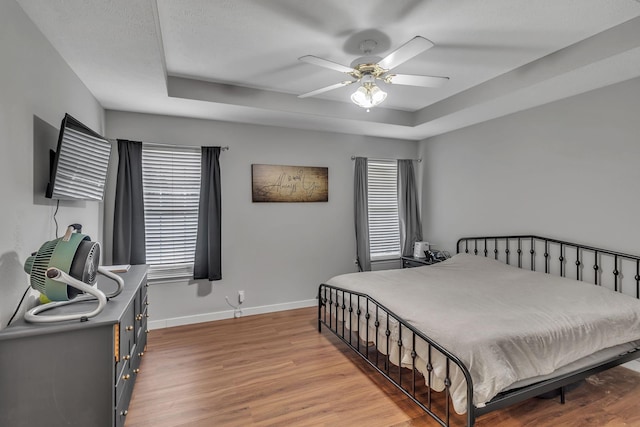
(277, 370)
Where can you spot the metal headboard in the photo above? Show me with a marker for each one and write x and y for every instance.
(614, 270)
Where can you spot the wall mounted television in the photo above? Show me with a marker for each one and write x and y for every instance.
(80, 163)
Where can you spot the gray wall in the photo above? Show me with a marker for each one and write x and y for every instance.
(278, 253)
(569, 169)
(36, 89)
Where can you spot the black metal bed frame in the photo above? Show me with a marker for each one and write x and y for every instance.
(335, 303)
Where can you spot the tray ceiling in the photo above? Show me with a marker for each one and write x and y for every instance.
(237, 60)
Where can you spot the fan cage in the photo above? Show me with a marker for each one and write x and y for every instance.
(40, 264)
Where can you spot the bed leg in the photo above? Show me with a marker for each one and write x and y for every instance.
(319, 313)
(562, 395)
(471, 417)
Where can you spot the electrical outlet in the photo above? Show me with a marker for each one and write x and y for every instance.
(240, 297)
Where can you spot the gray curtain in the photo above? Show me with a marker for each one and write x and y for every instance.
(128, 218)
(208, 258)
(361, 195)
(408, 209)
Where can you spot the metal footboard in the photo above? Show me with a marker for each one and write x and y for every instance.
(346, 312)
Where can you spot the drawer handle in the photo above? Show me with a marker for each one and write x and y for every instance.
(141, 354)
(124, 413)
(127, 357)
(126, 377)
(139, 317)
(147, 315)
(129, 328)
(146, 303)
(136, 371)
(146, 331)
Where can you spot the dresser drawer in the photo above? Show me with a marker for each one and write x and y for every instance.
(122, 407)
(142, 320)
(127, 331)
(141, 299)
(126, 340)
(141, 347)
(123, 380)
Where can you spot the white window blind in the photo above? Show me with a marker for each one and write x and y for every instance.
(171, 184)
(384, 228)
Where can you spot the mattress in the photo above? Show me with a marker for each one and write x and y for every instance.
(507, 325)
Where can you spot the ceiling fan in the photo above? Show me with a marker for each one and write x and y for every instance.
(367, 69)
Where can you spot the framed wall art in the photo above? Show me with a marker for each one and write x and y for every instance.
(278, 183)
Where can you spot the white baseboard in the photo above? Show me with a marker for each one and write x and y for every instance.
(634, 365)
(228, 314)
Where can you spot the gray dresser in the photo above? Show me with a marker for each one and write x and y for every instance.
(76, 373)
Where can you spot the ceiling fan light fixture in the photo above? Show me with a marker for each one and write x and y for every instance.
(368, 95)
(367, 69)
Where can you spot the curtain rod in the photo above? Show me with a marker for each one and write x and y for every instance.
(415, 160)
(114, 140)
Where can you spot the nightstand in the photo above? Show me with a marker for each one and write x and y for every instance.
(410, 261)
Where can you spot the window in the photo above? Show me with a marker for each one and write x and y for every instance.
(384, 227)
(171, 185)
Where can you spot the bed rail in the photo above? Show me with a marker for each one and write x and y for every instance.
(602, 267)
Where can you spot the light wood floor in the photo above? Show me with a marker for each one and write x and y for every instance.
(277, 370)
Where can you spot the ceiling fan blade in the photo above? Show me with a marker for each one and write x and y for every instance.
(310, 59)
(410, 80)
(326, 89)
(412, 48)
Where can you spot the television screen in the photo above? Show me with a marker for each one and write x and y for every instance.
(79, 166)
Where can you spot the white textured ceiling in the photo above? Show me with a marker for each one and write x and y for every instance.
(236, 60)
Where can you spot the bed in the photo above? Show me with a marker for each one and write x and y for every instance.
(487, 328)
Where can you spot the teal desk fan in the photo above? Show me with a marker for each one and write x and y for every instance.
(65, 271)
